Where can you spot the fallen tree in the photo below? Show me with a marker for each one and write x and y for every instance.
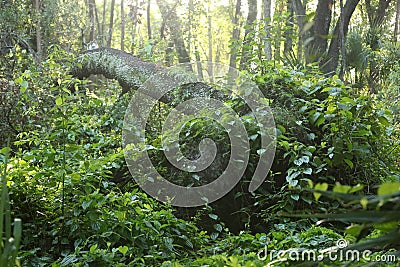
(132, 72)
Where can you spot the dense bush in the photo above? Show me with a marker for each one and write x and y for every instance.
(69, 184)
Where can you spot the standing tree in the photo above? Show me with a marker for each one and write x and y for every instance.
(38, 29)
(110, 28)
(397, 22)
(122, 26)
(235, 34)
(314, 34)
(148, 20)
(249, 27)
(210, 41)
(288, 43)
(91, 7)
(267, 25)
(173, 23)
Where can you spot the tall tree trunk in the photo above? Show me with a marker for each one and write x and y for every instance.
(103, 24)
(148, 20)
(38, 29)
(289, 28)
(122, 26)
(174, 24)
(91, 6)
(198, 61)
(110, 29)
(235, 35)
(133, 14)
(210, 42)
(300, 12)
(331, 63)
(397, 22)
(247, 47)
(377, 16)
(320, 30)
(97, 19)
(342, 42)
(267, 18)
(190, 21)
(279, 7)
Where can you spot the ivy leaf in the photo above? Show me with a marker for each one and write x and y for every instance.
(123, 249)
(321, 187)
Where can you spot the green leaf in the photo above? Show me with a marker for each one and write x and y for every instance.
(344, 189)
(123, 249)
(86, 204)
(213, 216)
(321, 187)
(295, 197)
(349, 163)
(388, 188)
(308, 171)
(59, 101)
(93, 248)
(364, 202)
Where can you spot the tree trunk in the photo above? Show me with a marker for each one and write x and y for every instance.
(38, 29)
(175, 26)
(133, 14)
(148, 18)
(97, 19)
(210, 42)
(247, 47)
(342, 42)
(235, 35)
(103, 24)
(122, 26)
(131, 73)
(198, 61)
(289, 28)
(331, 63)
(91, 5)
(320, 30)
(279, 9)
(110, 29)
(300, 12)
(190, 22)
(397, 22)
(267, 18)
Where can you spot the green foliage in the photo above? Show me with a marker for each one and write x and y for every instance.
(68, 181)
(9, 242)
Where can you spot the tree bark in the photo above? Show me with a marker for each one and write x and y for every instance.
(97, 19)
(330, 64)
(247, 47)
(148, 18)
(210, 42)
(289, 31)
(320, 30)
(110, 29)
(397, 22)
(175, 26)
(38, 29)
(267, 25)
(235, 35)
(376, 16)
(131, 72)
(103, 24)
(122, 26)
(91, 6)
(133, 14)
